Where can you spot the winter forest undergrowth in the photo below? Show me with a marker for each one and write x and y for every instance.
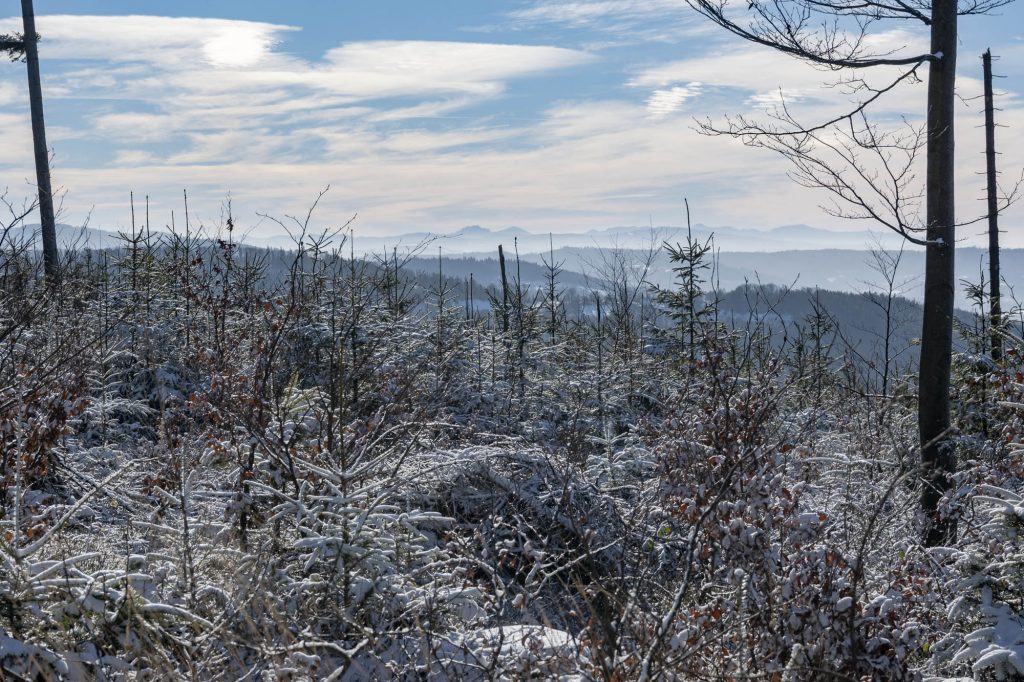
(211, 473)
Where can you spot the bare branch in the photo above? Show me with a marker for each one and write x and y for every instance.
(810, 30)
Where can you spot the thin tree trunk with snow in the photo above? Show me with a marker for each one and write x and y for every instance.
(995, 306)
(47, 219)
(937, 457)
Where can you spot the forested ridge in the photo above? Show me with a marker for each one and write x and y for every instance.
(344, 473)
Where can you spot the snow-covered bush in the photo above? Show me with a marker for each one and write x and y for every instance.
(987, 588)
(221, 463)
(774, 578)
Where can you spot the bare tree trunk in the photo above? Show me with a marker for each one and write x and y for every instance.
(552, 276)
(600, 368)
(47, 219)
(937, 456)
(993, 214)
(520, 331)
(504, 290)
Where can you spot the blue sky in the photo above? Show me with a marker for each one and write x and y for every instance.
(560, 116)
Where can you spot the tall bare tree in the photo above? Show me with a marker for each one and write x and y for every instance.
(992, 196)
(872, 170)
(26, 47)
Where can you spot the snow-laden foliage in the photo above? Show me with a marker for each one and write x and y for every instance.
(220, 463)
(987, 577)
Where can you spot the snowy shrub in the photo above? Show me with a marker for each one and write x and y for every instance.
(230, 463)
(988, 588)
(773, 584)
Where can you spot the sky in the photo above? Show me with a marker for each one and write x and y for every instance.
(430, 116)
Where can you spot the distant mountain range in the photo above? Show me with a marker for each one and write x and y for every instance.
(481, 241)
(798, 255)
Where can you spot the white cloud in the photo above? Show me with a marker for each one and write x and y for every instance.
(238, 45)
(134, 157)
(219, 82)
(752, 79)
(584, 164)
(586, 13)
(135, 126)
(770, 100)
(401, 68)
(9, 93)
(751, 68)
(272, 129)
(210, 78)
(742, 64)
(664, 102)
(595, 163)
(152, 39)
(244, 57)
(437, 109)
(623, 22)
(419, 141)
(16, 141)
